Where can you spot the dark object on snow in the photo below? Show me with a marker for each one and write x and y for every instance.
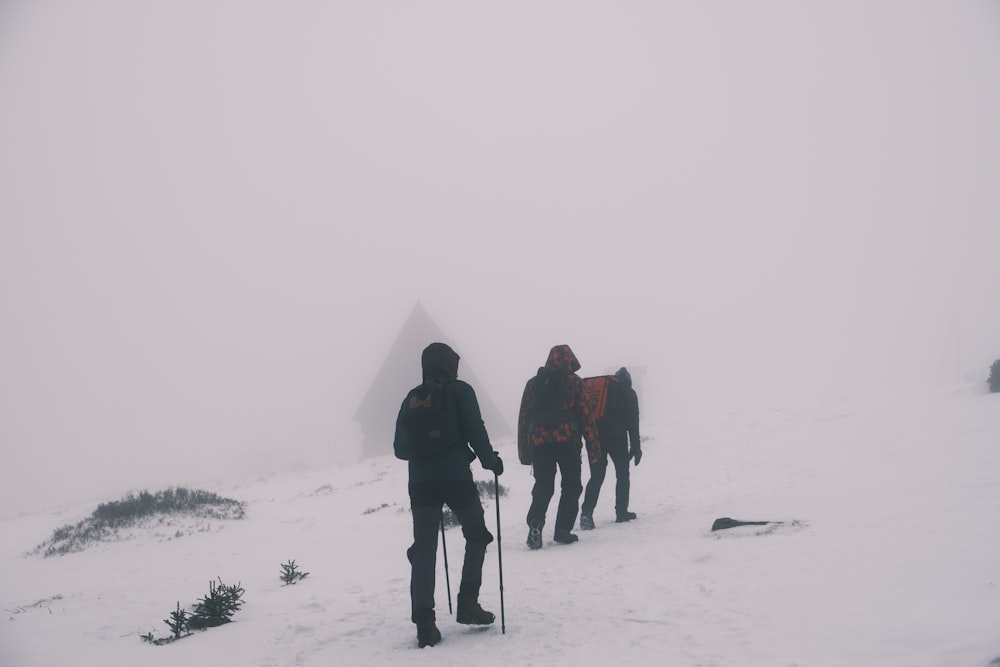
(726, 522)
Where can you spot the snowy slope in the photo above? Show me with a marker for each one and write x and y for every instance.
(888, 556)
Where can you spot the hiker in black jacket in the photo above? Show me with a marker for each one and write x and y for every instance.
(618, 429)
(443, 477)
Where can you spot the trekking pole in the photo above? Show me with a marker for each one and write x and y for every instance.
(444, 549)
(496, 492)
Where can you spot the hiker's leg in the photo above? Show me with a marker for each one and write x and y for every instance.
(425, 505)
(597, 472)
(544, 469)
(619, 455)
(571, 487)
(463, 499)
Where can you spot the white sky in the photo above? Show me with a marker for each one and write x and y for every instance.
(214, 217)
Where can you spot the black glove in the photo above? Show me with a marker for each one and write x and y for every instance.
(636, 454)
(497, 467)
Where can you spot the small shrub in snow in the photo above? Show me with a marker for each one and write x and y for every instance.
(448, 517)
(485, 488)
(218, 607)
(290, 573)
(178, 622)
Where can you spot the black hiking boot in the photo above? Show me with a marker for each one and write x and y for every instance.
(470, 613)
(535, 537)
(625, 516)
(427, 634)
(565, 537)
(586, 522)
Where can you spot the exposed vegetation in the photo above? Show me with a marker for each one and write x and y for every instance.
(178, 621)
(108, 521)
(485, 488)
(290, 573)
(216, 608)
(372, 510)
(994, 380)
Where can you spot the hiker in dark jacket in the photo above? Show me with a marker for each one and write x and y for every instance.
(445, 478)
(554, 415)
(618, 428)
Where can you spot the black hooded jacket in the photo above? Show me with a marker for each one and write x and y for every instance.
(621, 429)
(440, 363)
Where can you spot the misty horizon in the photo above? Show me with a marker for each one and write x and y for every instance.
(215, 219)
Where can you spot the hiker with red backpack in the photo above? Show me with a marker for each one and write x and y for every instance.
(554, 415)
(437, 424)
(616, 408)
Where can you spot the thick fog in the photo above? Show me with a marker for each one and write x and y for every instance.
(215, 217)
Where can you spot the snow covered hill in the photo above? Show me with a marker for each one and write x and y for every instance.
(887, 557)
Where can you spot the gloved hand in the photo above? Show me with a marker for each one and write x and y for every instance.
(636, 454)
(497, 468)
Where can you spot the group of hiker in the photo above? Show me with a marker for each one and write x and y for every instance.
(440, 431)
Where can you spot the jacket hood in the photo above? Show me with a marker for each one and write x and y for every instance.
(624, 376)
(562, 358)
(439, 361)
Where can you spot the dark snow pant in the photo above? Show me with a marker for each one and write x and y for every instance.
(619, 456)
(426, 502)
(545, 459)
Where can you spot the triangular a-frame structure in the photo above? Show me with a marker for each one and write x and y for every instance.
(400, 372)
